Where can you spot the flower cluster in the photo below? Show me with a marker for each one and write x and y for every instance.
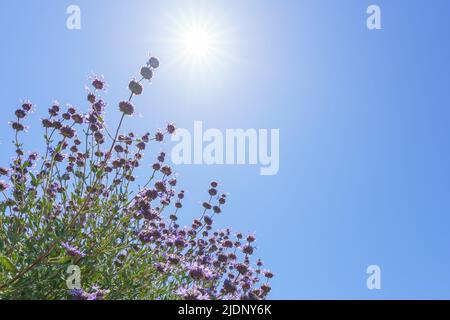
(78, 203)
(96, 294)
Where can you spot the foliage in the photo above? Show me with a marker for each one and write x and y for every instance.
(78, 204)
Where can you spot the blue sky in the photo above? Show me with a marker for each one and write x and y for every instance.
(363, 116)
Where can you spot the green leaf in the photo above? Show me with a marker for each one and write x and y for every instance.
(34, 181)
(8, 264)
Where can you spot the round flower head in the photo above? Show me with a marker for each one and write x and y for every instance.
(54, 109)
(251, 238)
(46, 123)
(126, 107)
(78, 118)
(166, 170)
(248, 249)
(71, 110)
(153, 62)
(27, 106)
(135, 87)
(67, 132)
(20, 113)
(3, 186)
(140, 145)
(161, 157)
(72, 251)
(78, 294)
(91, 97)
(17, 126)
(98, 83)
(268, 274)
(171, 128)
(159, 136)
(99, 106)
(265, 288)
(193, 293)
(146, 73)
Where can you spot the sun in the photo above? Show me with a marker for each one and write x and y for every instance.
(197, 42)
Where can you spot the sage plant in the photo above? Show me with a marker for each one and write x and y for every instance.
(77, 204)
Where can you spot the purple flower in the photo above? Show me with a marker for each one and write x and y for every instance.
(147, 73)
(153, 62)
(159, 136)
(20, 113)
(27, 106)
(98, 82)
(193, 293)
(171, 128)
(268, 274)
(248, 249)
(126, 107)
(17, 126)
(67, 132)
(78, 294)
(199, 272)
(135, 87)
(3, 186)
(72, 251)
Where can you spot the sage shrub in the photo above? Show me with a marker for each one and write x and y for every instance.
(77, 203)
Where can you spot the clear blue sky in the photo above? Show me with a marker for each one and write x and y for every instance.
(363, 116)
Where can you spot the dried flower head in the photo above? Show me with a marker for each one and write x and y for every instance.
(126, 107)
(136, 87)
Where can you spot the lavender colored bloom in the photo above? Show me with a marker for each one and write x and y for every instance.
(229, 286)
(27, 106)
(135, 87)
(3, 186)
(98, 83)
(78, 294)
(77, 118)
(72, 251)
(147, 73)
(193, 293)
(179, 242)
(126, 107)
(153, 62)
(159, 136)
(97, 294)
(20, 113)
(17, 126)
(247, 249)
(199, 272)
(67, 132)
(268, 274)
(241, 267)
(171, 128)
(99, 106)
